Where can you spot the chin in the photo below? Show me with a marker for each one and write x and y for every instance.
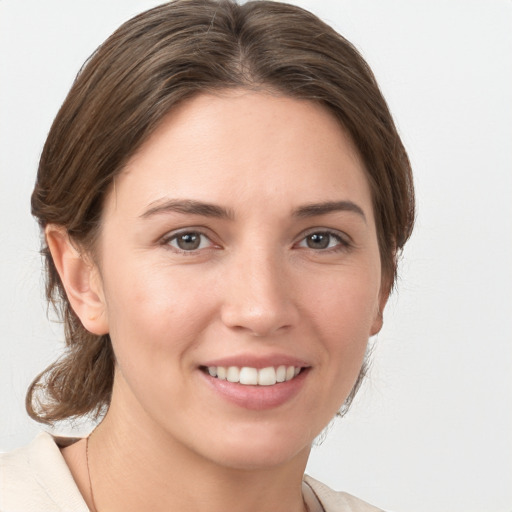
(259, 448)
(253, 460)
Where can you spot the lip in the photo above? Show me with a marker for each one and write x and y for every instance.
(256, 398)
(257, 362)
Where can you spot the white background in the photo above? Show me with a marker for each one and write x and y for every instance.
(431, 429)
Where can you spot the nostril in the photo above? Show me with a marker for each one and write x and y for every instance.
(260, 322)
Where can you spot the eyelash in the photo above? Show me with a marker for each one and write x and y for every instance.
(167, 241)
(342, 244)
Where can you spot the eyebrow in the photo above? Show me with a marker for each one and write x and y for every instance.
(187, 206)
(190, 206)
(314, 209)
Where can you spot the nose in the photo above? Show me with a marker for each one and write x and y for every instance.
(259, 295)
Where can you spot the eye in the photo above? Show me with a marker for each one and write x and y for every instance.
(322, 240)
(188, 241)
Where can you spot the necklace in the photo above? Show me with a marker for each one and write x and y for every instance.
(89, 471)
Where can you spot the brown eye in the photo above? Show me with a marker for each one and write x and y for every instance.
(318, 240)
(189, 241)
(322, 240)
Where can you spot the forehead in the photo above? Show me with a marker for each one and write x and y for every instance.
(241, 145)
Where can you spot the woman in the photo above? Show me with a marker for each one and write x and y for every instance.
(223, 196)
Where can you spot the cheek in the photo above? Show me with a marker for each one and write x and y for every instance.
(153, 314)
(153, 329)
(343, 316)
(348, 304)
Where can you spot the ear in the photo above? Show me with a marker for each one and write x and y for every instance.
(81, 280)
(379, 320)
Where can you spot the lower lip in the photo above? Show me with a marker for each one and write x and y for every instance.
(257, 398)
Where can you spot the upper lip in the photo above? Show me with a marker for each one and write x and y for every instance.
(257, 361)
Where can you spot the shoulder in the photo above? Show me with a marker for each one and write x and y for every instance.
(334, 501)
(36, 477)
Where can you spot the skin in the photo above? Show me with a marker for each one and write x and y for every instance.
(257, 286)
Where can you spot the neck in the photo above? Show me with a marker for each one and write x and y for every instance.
(135, 466)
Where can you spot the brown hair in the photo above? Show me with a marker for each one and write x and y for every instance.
(149, 65)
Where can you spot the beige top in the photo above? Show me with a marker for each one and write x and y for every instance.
(35, 478)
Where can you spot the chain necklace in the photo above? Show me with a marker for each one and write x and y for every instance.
(89, 471)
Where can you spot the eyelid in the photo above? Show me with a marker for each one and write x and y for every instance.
(345, 241)
(172, 235)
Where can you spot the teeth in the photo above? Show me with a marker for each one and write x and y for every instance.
(267, 376)
(233, 374)
(252, 376)
(281, 373)
(248, 376)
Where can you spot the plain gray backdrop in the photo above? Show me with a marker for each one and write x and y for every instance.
(430, 430)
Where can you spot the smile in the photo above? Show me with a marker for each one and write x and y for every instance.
(249, 376)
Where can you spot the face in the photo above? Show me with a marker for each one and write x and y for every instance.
(240, 276)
